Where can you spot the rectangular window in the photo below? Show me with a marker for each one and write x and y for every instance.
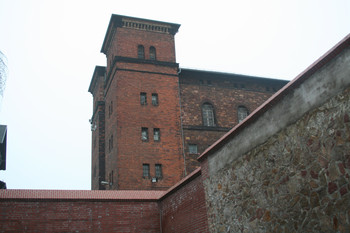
(192, 149)
(143, 98)
(156, 134)
(154, 99)
(159, 173)
(145, 170)
(144, 134)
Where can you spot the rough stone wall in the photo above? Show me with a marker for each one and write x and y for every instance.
(297, 181)
(78, 216)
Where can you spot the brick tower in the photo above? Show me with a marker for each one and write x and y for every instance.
(136, 139)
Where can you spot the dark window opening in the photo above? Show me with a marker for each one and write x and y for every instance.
(159, 173)
(141, 52)
(144, 134)
(152, 53)
(192, 149)
(145, 170)
(156, 134)
(154, 99)
(242, 112)
(208, 115)
(143, 98)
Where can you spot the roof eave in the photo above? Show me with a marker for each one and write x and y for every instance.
(278, 96)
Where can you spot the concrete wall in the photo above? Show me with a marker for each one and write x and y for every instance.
(287, 168)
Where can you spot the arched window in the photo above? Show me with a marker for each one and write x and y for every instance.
(152, 53)
(208, 114)
(242, 112)
(141, 52)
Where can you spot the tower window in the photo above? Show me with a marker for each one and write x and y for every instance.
(143, 98)
(152, 53)
(159, 173)
(192, 149)
(208, 115)
(141, 52)
(154, 99)
(145, 170)
(156, 134)
(144, 134)
(242, 112)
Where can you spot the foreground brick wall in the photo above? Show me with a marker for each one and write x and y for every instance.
(79, 211)
(78, 216)
(183, 208)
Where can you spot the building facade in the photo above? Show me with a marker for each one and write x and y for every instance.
(152, 119)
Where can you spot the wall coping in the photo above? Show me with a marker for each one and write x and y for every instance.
(117, 195)
(277, 97)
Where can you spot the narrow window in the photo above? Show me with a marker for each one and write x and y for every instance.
(143, 98)
(145, 170)
(144, 134)
(242, 112)
(141, 52)
(192, 149)
(154, 99)
(159, 173)
(152, 53)
(156, 134)
(208, 115)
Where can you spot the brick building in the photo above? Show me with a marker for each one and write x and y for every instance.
(151, 119)
(289, 176)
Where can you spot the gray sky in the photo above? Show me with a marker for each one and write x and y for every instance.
(52, 48)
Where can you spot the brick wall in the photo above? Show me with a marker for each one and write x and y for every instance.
(79, 211)
(129, 151)
(127, 77)
(183, 208)
(78, 216)
(226, 92)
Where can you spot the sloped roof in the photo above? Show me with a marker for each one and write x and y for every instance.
(278, 96)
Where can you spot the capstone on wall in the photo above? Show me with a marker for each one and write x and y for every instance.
(298, 179)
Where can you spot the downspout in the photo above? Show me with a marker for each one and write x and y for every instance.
(182, 131)
(160, 215)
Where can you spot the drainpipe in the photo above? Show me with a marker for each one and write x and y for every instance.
(182, 131)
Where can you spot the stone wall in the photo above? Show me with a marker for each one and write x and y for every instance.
(296, 179)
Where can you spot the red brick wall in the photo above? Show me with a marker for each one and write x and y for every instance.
(78, 216)
(129, 151)
(184, 210)
(226, 92)
(124, 84)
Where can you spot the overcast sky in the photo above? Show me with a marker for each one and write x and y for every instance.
(52, 48)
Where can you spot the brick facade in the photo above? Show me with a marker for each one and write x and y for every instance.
(141, 61)
(226, 93)
(78, 211)
(183, 208)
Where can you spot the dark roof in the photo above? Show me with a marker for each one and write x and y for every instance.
(183, 72)
(278, 96)
(99, 71)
